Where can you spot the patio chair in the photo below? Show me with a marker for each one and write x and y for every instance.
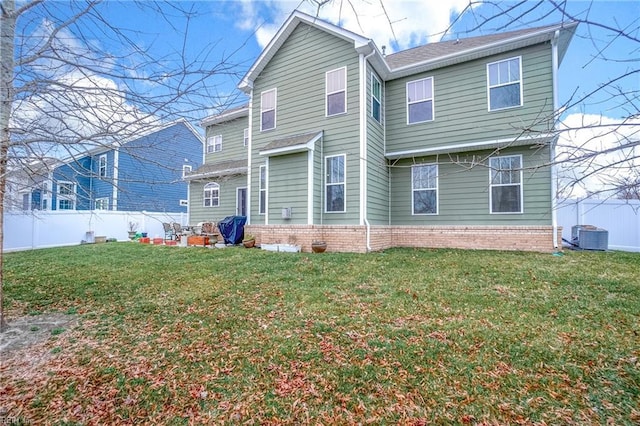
(209, 229)
(177, 230)
(169, 234)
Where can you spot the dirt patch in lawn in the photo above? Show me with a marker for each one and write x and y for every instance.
(27, 331)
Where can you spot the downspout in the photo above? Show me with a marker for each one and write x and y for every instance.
(554, 140)
(116, 166)
(363, 144)
(249, 152)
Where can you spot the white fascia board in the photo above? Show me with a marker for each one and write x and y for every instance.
(225, 116)
(469, 146)
(297, 17)
(514, 43)
(225, 172)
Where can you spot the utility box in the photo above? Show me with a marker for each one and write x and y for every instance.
(589, 237)
(286, 212)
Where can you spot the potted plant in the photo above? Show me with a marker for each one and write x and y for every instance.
(133, 227)
(249, 241)
(318, 246)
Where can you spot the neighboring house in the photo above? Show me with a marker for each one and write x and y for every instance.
(443, 145)
(142, 173)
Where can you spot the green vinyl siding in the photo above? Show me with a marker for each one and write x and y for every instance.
(232, 140)
(287, 183)
(227, 206)
(377, 171)
(463, 192)
(461, 110)
(298, 71)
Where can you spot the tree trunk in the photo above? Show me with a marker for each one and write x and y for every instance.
(7, 34)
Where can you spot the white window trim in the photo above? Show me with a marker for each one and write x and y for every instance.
(432, 99)
(245, 137)
(327, 93)
(436, 188)
(99, 200)
(68, 197)
(489, 87)
(275, 109)
(344, 183)
(186, 168)
(101, 166)
(375, 77)
(204, 198)
(214, 144)
(491, 185)
(261, 189)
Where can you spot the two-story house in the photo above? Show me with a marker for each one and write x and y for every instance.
(142, 173)
(444, 145)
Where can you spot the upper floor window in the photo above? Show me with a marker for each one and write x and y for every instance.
(246, 137)
(214, 144)
(268, 110)
(336, 88)
(504, 84)
(262, 203)
(102, 204)
(505, 181)
(376, 98)
(420, 100)
(211, 195)
(66, 195)
(186, 169)
(424, 189)
(335, 183)
(102, 165)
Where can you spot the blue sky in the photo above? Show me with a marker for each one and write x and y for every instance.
(240, 29)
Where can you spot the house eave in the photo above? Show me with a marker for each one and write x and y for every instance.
(495, 48)
(215, 174)
(472, 146)
(309, 145)
(224, 117)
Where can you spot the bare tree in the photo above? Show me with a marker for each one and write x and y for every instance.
(72, 80)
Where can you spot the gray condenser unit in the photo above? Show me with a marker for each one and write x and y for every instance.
(589, 237)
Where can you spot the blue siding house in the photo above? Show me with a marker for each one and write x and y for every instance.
(144, 173)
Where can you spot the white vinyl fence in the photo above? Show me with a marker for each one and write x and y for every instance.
(621, 218)
(41, 229)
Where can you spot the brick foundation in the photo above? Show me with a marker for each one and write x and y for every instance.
(353, 238)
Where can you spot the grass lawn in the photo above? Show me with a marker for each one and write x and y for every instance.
(169, 335)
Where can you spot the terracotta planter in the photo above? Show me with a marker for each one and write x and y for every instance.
(318, 246)
(249, 243)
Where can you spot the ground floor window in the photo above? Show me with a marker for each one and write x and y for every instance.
(335, 183)
(211, 195)
(262, 204)
(424, 188)
(66, 195)
(505, 180)
(102, 204)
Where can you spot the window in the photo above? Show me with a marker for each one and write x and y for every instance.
(26, 202)
(424, 188)
(246, 137)
(211, 195)
(102, 165)
(336, 87)
(504, 84)
(376, 98)
(262, 205)
(214, 144)
(335, 184)
(420, 100)
(102, 204)
(268, 110)
(66, 195)
(186, 169)
(505, 180)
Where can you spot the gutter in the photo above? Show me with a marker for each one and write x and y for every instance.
(552, 150)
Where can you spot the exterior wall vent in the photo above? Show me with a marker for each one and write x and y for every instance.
(286, 212)
(589, 237)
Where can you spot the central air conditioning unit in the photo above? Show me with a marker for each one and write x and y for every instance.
(589, 237)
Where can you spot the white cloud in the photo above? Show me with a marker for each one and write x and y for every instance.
(413, 22)
(596, 153)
